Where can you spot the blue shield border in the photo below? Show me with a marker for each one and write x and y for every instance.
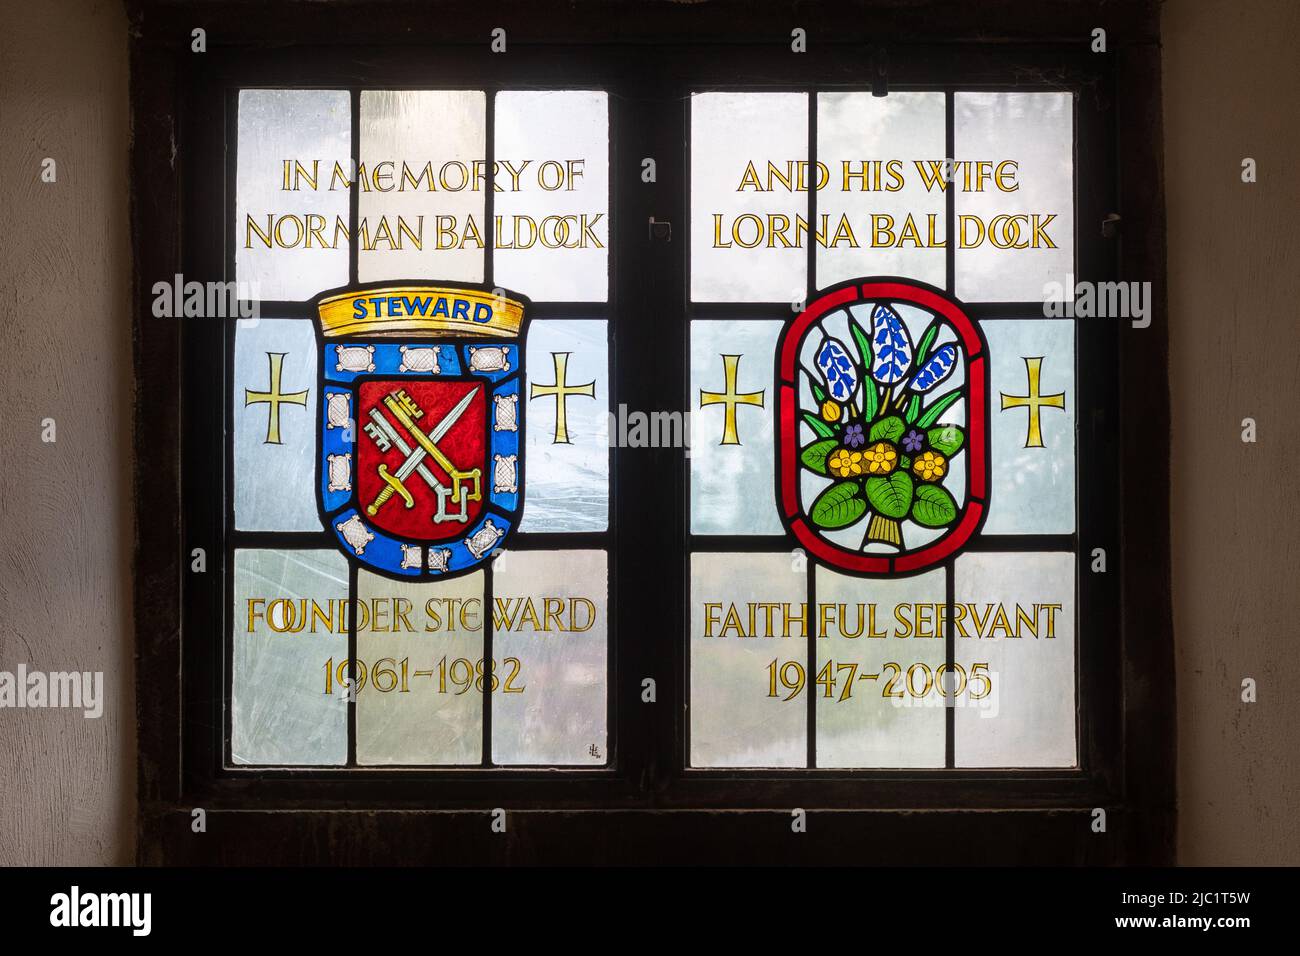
(341, 514)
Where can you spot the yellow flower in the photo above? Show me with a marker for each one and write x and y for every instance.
(881, 458)
(830, 411)
(844, 463)
(930, 466)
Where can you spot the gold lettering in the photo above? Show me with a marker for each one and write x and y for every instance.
(711, 609)
(401, 608)
(749, 178)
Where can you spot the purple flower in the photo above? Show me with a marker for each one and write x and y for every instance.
(853, 436)
(912, 441)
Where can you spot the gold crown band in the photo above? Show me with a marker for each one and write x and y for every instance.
(420, 311)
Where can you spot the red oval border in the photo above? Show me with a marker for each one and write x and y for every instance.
(977, 465)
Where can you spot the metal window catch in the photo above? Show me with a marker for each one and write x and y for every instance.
(660, 230)
(1110, 225)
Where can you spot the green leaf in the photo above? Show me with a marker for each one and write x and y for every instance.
(863, 341)
(927, 342)
(817, 425)
(819, 393)
(913, 408)
(934, 507)
(838, 506)
(814, 456)
(938, 407)
(889, 428)
(905, 462)
(891, 495)
(870, 399)
(946, 439)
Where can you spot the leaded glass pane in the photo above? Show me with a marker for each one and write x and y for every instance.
(275, 407)
(1014, 626)
(1014, 157)
(552, 194)
(882, 202)
(731, 427)
(292, 191)
(422, 192)
(568, 426)
(1032, 404)
(880, 662)
(289, 705)
(749, 197)
(550, 645)
(748, 661)
(420, 645)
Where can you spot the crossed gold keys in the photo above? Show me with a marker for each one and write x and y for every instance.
(407, 412)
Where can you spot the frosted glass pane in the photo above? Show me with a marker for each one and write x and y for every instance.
(871, 146)
(567, 455)
(732, 490)
(1031, 401)
(291, 235)
(422, 154)
(552, 194)
(748, 611)
(290, 621)
(420, 644)
(1035, 131)
(730, 210)
(550, 639)
(275, 425)
(884, 642)
(1014, 624)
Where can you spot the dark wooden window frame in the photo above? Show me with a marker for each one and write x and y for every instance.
(646, 805)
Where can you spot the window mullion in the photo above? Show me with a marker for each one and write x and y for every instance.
(489, 255)
(950, 566)
(813, 625)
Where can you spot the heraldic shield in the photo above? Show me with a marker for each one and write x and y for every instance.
(420, 469)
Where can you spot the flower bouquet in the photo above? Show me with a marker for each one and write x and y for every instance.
(877, 434)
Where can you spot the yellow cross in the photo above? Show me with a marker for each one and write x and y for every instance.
(1033, 401)
(561, 389)
(275, 398)
(730, 398)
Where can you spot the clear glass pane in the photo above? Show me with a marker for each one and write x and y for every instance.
(880, 217)
(879, 663)
(1014, 157)
(292, 191)
(749, 197)
(422, 193)
(732, 458)
(552, 194)
(550, 644)
(1032, 404)
(567, 455)
(291, 634)
(275, 425)
(420, 645)
(1014, 623)
(748, 661)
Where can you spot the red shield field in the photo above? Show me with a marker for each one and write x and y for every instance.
(421, 458)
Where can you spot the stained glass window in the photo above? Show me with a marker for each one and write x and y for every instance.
(882, 483)
(424, 399)
(881, 502)
(645, 433)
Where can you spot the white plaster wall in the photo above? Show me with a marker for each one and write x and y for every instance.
(67, 784)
